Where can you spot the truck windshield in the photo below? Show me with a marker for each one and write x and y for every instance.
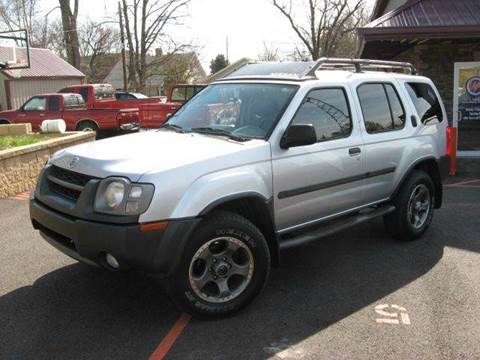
(244, 110)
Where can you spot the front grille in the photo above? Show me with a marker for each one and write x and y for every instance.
(66, 183)
(64, 191)
(69, 176)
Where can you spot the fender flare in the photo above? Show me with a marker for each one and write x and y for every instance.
(437, 184)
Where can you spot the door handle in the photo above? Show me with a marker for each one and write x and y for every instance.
(354, 151)
(414, 120)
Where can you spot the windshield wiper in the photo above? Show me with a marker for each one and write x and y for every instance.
(219, 132)
(174, 127)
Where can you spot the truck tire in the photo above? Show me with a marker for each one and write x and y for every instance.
(223, 268)
(4, 122)
(87, 125)
(414, 208)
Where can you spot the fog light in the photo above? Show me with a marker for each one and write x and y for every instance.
(112, 261)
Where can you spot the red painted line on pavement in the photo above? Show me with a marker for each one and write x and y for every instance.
(462, 183)
(23, 196)
(171, 337)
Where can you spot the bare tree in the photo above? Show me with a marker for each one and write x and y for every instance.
(70, 33)
(146, 22)
(270, 53)
(325, 23)
(24, 14)
(97, 41)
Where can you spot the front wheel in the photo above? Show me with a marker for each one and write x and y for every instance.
(414, 208)
(223, 268)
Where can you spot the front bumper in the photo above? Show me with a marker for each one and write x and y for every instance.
(156, 251)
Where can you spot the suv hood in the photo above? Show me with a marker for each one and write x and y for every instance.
(154, 152)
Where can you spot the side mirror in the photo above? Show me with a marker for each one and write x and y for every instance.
(298, 135)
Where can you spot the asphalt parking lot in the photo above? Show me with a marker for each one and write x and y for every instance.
(355, 295)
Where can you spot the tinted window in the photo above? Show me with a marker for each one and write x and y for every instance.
(36, 104)
(426, 102)
(398, 114)
(84, 93)
(381, 107)
(327, 110)
(190, 91)
(54, 103)
(178, 94)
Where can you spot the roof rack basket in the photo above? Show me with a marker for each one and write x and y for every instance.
(358, 64)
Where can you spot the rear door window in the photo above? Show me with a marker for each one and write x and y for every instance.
(54, 103)
(84, 93)
(381, 107)
(426, 102)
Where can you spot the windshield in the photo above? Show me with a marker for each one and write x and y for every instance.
(244, 110)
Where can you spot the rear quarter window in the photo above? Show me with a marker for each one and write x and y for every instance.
(426, 102)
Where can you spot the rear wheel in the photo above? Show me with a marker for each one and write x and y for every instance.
(223, 268)
(414, 208)
(87, 126)
(4, 122)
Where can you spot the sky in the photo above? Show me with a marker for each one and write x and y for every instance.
(248, 24)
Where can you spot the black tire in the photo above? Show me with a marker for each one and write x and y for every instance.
(227, 224)
(399, 223)
(87, 126)
(4, 122)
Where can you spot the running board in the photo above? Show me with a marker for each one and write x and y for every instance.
(332, 227)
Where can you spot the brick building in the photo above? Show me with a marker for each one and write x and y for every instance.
(442, 39)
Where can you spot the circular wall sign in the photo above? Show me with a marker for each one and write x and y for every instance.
(473, 86)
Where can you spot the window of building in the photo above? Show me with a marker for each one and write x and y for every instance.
(328, 112)
(426, 102)
(381, 107)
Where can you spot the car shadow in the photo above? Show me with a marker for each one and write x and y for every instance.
(321, 284)
(81, 312)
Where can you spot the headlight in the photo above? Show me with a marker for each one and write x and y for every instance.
(114, 194)
(118, 196)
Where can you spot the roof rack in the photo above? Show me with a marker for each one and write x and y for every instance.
(358, 64)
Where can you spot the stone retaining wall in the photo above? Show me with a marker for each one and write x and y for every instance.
(20, 166)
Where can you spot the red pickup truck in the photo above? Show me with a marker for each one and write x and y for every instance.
(71, 108)
(155, 115)
(102, 96)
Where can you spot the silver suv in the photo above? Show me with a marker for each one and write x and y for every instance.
(275, 155)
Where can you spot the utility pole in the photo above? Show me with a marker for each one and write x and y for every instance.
(227, 48)
(122, 40)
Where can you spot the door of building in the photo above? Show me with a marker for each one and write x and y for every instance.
(466, 107)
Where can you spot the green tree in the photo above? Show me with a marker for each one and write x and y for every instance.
(218, 63)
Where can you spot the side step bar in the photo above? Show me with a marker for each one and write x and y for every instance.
(332, 227)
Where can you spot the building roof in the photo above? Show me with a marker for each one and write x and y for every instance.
(43, 64)
(424, 19)
(165, 65)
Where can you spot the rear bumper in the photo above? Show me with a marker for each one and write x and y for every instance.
(155, 251)
(444, 166)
